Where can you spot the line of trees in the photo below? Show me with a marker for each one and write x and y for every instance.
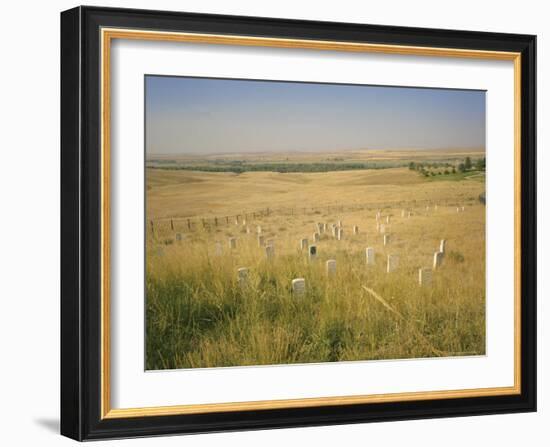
(446, 168)
(282, 167)
(468, 165)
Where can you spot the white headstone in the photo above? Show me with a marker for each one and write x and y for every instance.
(331, 267)
(370, 255)
(312, 252)
(260, 241)
(438, 259)
(382, 229)
(402, 213)
(442, 245)
(232, 242)
(355, 229)
(244, 222)
(259, 229)
(393, 263)
(425, 277)
(386, 239)
(303, 244)
(270, 251)
(247, 230)
(457, 209)
(242, 275)
(316, 237)
(334, 231)
(463, 208)
(340, 234)
(387, 219)
(340, 224)
(299, 286)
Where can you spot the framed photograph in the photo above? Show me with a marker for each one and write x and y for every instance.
(277, 223)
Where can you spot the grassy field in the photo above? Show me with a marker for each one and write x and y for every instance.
(200, 315)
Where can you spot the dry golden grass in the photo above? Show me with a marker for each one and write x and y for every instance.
(199, 316)
(206, 194)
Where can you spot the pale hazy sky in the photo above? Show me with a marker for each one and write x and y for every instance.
(204, 116)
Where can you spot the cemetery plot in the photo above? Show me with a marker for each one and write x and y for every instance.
(270, 268)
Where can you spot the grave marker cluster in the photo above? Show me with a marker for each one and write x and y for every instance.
(438, 259)
(331, 267)
(424, 277)
(312, 252)
(242, 276)
(299, 286)
(369, 252)
(393, 263)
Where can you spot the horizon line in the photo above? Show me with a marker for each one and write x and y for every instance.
(325, 151)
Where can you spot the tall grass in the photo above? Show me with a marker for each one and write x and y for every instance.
(199, 315)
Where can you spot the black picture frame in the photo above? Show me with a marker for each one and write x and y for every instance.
(81, 223)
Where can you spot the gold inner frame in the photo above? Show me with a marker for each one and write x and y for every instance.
(107, 35)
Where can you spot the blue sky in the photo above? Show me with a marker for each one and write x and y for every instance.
(204, 116)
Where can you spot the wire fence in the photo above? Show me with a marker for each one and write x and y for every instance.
(183, 224)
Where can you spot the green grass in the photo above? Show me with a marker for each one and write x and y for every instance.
(198, 315)
(456, 177)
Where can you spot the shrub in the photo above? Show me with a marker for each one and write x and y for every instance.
(456, 256)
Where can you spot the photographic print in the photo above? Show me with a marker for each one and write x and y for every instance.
(272, 223)
(297, 222)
